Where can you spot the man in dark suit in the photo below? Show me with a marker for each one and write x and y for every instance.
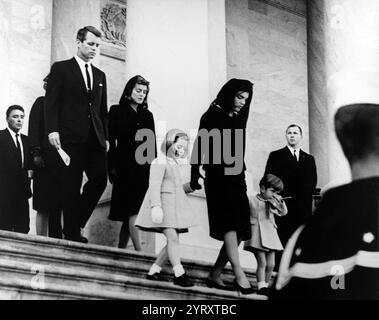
(76, 122)
(14, 182)
(297, 170)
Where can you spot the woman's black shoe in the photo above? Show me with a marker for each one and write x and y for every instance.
(156, 277)
(242, 290)
(183, 281)
(263, 291)
(213, 284)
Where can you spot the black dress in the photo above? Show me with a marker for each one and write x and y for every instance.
(132, 178)
(228, 205)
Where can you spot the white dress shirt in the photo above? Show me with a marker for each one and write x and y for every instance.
(82, 67)
(297, 152)
(13, 135)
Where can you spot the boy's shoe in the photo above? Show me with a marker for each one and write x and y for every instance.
(183, 281)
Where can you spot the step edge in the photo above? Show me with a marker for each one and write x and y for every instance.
(165, 286)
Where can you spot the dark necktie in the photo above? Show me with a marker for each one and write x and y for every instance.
(19, 150)
(88, 79)
(294, 154)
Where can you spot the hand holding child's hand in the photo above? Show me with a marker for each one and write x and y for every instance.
(157, 215)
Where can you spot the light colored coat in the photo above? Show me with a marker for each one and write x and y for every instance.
(167, 191)
(264, 235)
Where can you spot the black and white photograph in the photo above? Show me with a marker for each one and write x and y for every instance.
(166, 152)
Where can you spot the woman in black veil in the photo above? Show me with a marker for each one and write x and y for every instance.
(225, 186)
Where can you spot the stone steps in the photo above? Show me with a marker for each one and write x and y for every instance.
(74, 270)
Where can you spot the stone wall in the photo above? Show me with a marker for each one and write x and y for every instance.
(25, 48)
(266, 43)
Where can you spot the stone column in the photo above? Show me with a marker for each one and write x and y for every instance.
(68, 17)
(216, 46)
(343, 68)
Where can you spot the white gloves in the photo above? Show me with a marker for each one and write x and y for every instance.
(157, 215)
(54, 139)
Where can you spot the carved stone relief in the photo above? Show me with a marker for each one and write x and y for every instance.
(113, 26)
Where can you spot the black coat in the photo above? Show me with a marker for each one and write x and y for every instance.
(216, 121)
(132, 178)
(14, 181)
(342, 236)
(36, 130)
(43, 178)
(68, 108)
(299, 179)
(228, 206)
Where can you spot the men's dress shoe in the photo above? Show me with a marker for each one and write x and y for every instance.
(77, 238)
(156, 277)
(183, 281)
(83, 239)
(213, 284)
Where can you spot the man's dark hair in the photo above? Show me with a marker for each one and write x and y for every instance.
(295, 126)
(82, 33)
(357, 129)
(14, 107)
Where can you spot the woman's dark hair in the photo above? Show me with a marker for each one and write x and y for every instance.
(357, 129)
(126, 95)
(271, 181)
(225, 98)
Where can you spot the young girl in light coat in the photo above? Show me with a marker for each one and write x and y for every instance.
(166, 208)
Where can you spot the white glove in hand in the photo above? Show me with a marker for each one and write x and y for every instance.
(54, 139)
(157, 215)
